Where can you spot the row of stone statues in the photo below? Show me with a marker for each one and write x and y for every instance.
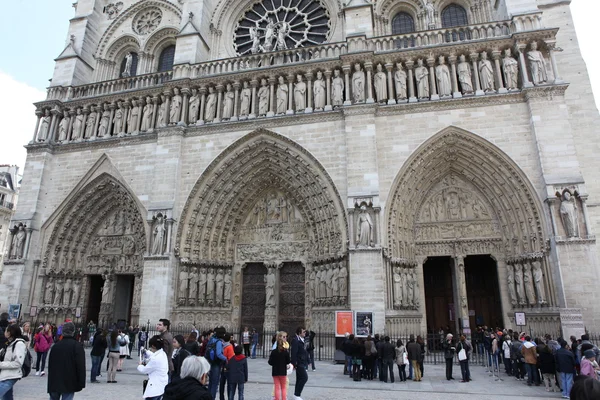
(62, 291)
(205, 286)
(17, 243)
(328, 284)
(526, 283)
(405, 288)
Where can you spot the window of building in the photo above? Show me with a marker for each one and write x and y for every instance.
(167, 56)
(402, 23)
(129, 62)
(454, 15)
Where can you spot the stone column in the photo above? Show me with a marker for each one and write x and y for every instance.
(309, 91)
(474, 59)
(460, 283)
(369, 69)
(27, 242)
(184, 112)
(432, 81)
(271, 112)
(411, 82)
(219, 103)
(346, 69)
(551, 44)
(551, 201)
(236, 88)
(154, 111)
(113, 107)
(586, 217)
(455, 92)
(496, 57)
(290, 79)
(390, 81)
(521, 47)
(328, 106)
(254, 104)
(202, 105)
(39, 114)
(72, 115)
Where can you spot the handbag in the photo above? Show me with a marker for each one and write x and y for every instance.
(462, 355)
(373, 349)
(144, 384)
(405, 358)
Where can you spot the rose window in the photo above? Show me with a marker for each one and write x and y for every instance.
(147, 21)
(271, 25)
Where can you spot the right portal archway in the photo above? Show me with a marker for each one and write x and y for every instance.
(459, 195)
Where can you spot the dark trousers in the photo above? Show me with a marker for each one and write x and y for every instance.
(301, 379)
(96, 362)
(421, 367)
(449, 363)
(464, 370)
(311, 358)
(508, 366)
(223, 383)
(213, 379)
(532, 374)
(368, 367)
(41, 357)
(231, 388)
(387, 365)
(380, 368)
(247, 349)
(518, 369)
(402, 372)
(375, 367)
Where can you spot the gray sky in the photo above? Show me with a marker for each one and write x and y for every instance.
(33, 33)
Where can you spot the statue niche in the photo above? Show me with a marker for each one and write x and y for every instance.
(568, 211)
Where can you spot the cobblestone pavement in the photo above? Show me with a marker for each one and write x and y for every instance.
(326, 383)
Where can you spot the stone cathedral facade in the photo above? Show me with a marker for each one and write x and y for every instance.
(268, 162)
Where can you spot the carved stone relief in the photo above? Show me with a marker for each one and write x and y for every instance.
(405, 287)
(17, 243)
(205, 286)
(328, 284)
(568, 211)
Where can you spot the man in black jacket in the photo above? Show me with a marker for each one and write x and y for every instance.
(299, 358)
(99, 345)
(388, 356)
(66, 366)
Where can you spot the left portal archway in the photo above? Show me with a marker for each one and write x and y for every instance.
(99, 234)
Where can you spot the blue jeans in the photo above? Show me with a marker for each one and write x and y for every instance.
(532, 374)
(231, 387)
(311, 358)
(410, 371)
(301, 379)
(6, 389)
(213, 379)
(566, 380)
(63, 396)
(253, 351)
(464, 370)
(349, 365)
(96, 362)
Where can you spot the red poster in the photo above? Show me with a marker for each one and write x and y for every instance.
(344, 322)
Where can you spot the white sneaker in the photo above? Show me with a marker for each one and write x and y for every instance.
(297, 398)
(37, 373)
(43, 373)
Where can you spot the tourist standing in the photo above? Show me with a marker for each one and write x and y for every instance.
(238, 374)
(123, 349)
(142, 338)
(163, 327)
(66, 366)
(547, 367)
(13, 356)
(114, 349)
(449, 352)
(370, 354)
(357, 352)
(587, 364)
(43, 341)
(506, 345)
(388, 355)
(26, 333)
(529, 353)
(179, 355)
(254, 342)
(99, 346)
(279, 360)
(214, 354)
(228, 353)
(299, 359)
(565, 365)
(157, 369)
(192, 345)
(191, 386)
(414, 355)
(132, 333)
(463, 350)
(401, 357)
(246, 341)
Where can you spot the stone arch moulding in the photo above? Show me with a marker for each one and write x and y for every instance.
(226, 191)
(157, 42)
(386, 10)
(489, 171)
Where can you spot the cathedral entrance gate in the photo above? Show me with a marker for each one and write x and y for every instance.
(439, 293)
(123, 298)
(291, 297)
(253, 296)
(483, 292)
(94, 299)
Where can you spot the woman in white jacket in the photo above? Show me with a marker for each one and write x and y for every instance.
(12, 358)
(123, 340)
(157, 368)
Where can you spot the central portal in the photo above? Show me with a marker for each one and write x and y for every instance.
(291, 297)
(439, 295)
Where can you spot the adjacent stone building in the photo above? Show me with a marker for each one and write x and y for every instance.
(265, 163)
(9, 194)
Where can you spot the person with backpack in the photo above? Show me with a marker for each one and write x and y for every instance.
(13, 361)
(123, 349)
(66, 366)
(214, 355)
(224, 376)
(310, 348)
(517, 358)
(506, 344)
(142, 338)
(238, 374)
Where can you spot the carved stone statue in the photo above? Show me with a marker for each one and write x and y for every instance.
(319, 92)
(175, 107)
(416, 293)
(537, 64)
(77, 125)
(219, 283)
(162, 112)
(528, 282)
(211, 105)
(364, 228)
(202, 278)
(329, 282)
(464, 75)
(337, 89)
(210, 286)
(397, 287)
(270, 288)
(228, 100)
(49, 291)
(68, 289)
(194, 104)
(282, 96)
(442, 74)
(312, 278)
(76, 292)
(107, 296)
(127, 69)
(263, 98)
(410, 289)
(400, 82)
(227, 286)
(422, 77)
(319, 282)
(58, 292)
(568, 214)
(538, 281)
(104, 122)
(134, 116)
(486, 73)
(283, 29)
(44, 126)
(193, 296)
(429, 13)
(159, 236)
(90, 124)
(335, 278)
(63, 127)
(519, 284)
(269, 36)
(343, 281)
(255, 38)
(183, 284)
(511, 70)
(245, 100)
(404, 280)
(358, 84)
(147, 116)
(380, 80)
(118, 119)
(18, 243)
(510, 280)
(300, 94)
